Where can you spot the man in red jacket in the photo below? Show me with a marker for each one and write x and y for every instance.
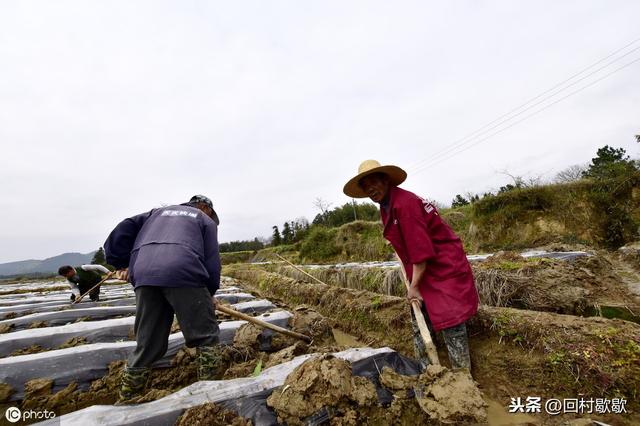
(431, 253)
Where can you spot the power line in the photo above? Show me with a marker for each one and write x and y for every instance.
(438, 161)
(502, 119)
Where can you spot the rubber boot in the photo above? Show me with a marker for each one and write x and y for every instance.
(134, 380)
(211, 365)
(458, 346)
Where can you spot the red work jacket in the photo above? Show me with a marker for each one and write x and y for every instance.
(417, 233)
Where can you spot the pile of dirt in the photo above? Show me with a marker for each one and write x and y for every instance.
(323, 381)
(450, 396)
(74, 341)
(309, 322)
(6, 328)
(324, 388)
(251, 337)
(248, 336)
(446, 396)
(211, 414)
(33, 349)
(5, 392)
(38, 324)
(255, 349)
(287, 354)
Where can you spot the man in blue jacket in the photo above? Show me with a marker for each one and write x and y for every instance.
(170, 255)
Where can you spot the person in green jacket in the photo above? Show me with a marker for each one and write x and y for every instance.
(82, 278)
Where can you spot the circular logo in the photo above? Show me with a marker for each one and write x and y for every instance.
(13, 414)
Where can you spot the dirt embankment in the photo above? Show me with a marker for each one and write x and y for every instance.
(600, 284)
(590, 285)
(514, 352)
(373, 318)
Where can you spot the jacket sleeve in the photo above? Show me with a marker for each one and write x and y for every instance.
(95, 268)
(117, 248)
(212, 256)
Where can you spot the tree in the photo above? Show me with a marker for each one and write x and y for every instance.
(570, 174)
(241, 246)
(321, 205)
(459, 201)
(347, 213)
(299, 227)
(98, 258)
(287, 233)
(609, 163)
(276, 239)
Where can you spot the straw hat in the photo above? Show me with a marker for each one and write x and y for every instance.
(395, 173)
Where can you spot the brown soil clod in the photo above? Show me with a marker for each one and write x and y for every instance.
(395, 382)
(247, 337)
(33, 349)
(210, 414)
(74, 341)
(6, 328)
(38, 324)
(323, 381)
(309, 322)
(450, 397)
(5, 392)
(151, 395)
(286, 354)
(37, 388)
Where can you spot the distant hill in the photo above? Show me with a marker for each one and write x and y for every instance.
(46, 266)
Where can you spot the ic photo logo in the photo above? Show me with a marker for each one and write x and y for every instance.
(13, 414)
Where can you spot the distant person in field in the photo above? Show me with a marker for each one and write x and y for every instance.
(82, 278)
(171, 257)
(431, 253)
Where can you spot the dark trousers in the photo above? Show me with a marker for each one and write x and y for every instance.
(95, 293)
(155, 307)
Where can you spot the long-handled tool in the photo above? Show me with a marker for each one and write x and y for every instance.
(264, 324)
(78, 299)
(432, 353)
(299, 269)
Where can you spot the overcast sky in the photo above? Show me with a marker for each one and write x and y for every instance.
(108, 109)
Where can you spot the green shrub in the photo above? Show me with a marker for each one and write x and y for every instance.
(320, 244)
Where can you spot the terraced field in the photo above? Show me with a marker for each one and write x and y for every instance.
(541, 340)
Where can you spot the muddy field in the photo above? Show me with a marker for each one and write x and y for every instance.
(540, 333)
